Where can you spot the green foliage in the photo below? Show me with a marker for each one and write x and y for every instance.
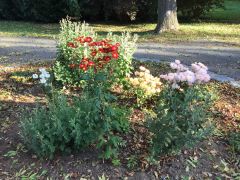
(49, 11)
(142, 10)
(38, 10)
(188, 10)
(124, 10)
(234, 141)
(66, 55)
(132, 162)
(65, 126)
(229, 13)
(16, 9)
(73, 124)
(182, 119)
(195, 9)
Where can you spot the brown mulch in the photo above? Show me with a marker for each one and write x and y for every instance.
(210, 159)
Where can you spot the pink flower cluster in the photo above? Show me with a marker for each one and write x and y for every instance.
(197, 75)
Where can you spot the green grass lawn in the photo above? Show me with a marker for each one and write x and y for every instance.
(225, 32)
(188, 31)
(225, 29)
(14, 28)
(231, 12)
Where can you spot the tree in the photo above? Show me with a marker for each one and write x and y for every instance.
(167, 16)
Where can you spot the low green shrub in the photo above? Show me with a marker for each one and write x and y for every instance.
(68, 126)
(182, 120)
(182, 116)
(234, 141)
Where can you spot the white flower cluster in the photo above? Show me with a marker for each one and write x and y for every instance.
(146, 82)
(198, 74)
(44, 76)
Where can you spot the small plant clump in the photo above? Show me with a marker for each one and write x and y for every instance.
(43, 77)
(81, 49)
(144, 85)
(182, 113)
(89, 119)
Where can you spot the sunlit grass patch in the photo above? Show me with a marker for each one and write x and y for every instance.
(22, 76)
(231, 12)
(225, 32)
(14, 28)
(4, 93)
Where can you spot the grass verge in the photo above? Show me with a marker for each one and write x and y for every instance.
(223, 32)
(230, 13)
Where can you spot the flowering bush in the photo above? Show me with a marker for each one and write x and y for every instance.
(84, 59)
(80, 50)
(182, 114)
(184, 75)
(144, 85)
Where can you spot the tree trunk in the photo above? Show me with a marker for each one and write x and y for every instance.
(167, 16)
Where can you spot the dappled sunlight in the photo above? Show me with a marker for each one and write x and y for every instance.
(229, 116)
(6, 98)
(16, 100)
(227, 108)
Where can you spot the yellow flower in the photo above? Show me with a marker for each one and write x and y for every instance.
(143, 69)
(147, 71)
(141, 74)
(158, 90)
(136, 73)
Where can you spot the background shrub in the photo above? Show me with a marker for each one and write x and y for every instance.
(195, 9)
(16, 10)
(38, 10)
(49, 11)
(182, 119)
(98, 10)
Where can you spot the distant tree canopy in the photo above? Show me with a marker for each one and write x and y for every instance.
(98, 10)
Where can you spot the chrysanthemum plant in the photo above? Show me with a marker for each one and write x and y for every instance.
(95, 64)
(91, 119)
(182, 113)
(144, 85)
(81, 51)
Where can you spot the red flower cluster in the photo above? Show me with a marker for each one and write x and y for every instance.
(72, 45)
(83, 39)
(102, 52)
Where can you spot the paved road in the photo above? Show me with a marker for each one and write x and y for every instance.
(220, 57)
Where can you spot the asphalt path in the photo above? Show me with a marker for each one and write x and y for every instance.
(221, 58)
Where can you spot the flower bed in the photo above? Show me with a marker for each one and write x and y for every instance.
(21, 94)
(93, 115)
